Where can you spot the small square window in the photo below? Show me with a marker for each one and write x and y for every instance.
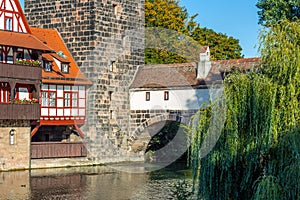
(111, 114)
(115, 8)
(112, 66)
(110, 95)
(147, 96)
(12, 135)
(65, 68)
(47, 66)
(166, 95)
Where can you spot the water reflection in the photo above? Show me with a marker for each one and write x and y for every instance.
(92, 183)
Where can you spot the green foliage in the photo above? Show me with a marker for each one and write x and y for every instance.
(257, 155)
(221, 46)
(162, 56)
(165, 137)
(167, 14)
(272, 11)
(267, 188)
(182, 190)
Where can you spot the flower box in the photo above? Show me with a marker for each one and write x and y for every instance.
(25, 101)
(30, 62)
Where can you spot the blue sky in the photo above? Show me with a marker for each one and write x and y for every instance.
(22, 3)
(236, 18)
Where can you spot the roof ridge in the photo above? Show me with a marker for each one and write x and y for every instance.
(169, 65)
(238, 59)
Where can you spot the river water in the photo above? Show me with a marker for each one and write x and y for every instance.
(93, 183)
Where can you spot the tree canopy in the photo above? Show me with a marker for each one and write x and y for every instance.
(272, 11)
(168, 14)
(257, 154)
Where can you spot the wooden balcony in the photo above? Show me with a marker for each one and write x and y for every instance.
(40, 150)
(20, 111)
(24, 72)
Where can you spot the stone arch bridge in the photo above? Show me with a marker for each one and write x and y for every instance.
(145, 124)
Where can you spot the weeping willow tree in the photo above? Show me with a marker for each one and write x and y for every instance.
(257, 155)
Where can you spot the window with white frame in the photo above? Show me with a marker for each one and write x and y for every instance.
(10, 55)
(8, 24)
(47, 65)
(65, 68)
(71, 99)
(48, 99)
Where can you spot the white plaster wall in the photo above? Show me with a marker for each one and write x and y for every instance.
(57, 63)
(9, 5)
(2, 22)
(59, 111)
(81, 92)
(16, 23)
(178, 99)
(60, 91)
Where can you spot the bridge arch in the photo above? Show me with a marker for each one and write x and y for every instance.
(150, 127)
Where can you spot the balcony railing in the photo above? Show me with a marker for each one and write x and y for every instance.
(20, 111)
(40, 150)
(17, 71)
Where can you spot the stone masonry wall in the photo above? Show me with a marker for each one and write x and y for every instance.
(106, 39)
(16, 156)
(15, 185)
(146, 123)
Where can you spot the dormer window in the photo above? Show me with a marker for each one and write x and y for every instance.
(47, 66)
(65, 68)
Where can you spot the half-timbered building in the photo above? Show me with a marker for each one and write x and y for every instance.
(63, 91)
(20, 79)
(42, 93)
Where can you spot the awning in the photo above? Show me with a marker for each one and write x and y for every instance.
(23, 40)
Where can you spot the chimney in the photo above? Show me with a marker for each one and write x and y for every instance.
(204, 65)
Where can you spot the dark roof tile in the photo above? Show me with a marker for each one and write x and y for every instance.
(185, 74)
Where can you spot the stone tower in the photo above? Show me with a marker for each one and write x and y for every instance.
(106, 39)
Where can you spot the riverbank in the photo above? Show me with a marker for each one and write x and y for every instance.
(76, 162)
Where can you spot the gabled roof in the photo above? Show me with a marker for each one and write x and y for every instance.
(204, 49)
(53, 39)
(25, 40)
(22, 16)
(243, 63)
(185, 74)
(165, 75)
(14, 8)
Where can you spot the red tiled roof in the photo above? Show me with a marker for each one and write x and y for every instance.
(24, 40)
(48, 57)
(185, 74)
(61, 59)
(204, 49)
(244, 63)
(53, 39)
